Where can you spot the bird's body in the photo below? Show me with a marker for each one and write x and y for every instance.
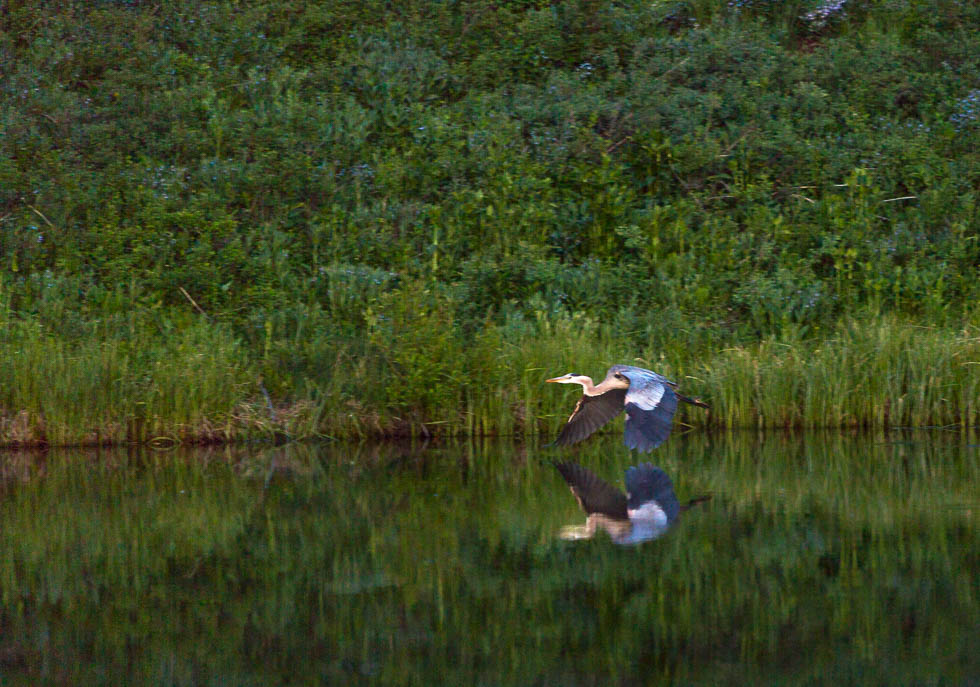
(649, 399)
(647, 509)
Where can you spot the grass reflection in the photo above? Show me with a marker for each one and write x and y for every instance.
(819, 559)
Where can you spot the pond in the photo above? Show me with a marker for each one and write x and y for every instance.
(819, 559)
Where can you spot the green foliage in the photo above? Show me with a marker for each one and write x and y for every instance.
(421, 363)
(745, 171)
(114, 386)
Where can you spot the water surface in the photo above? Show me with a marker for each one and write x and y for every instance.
(818, 560)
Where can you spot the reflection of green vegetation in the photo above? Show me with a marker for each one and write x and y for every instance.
(818, 560)
(389, 216)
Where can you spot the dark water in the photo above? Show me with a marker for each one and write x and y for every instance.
(818, 560)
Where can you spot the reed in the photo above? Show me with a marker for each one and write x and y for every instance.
(874, 374)
(193, 384)
(201, 384)
(868, 374)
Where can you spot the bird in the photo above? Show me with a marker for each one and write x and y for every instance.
(647, 509)
(648, 398)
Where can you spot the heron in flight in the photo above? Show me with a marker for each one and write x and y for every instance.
(647, 509)
(649, 400)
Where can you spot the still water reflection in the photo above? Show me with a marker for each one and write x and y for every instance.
(647, 509)
(818, 560)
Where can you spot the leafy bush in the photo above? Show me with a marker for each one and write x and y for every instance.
(744, 170)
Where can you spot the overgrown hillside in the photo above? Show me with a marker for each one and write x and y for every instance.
(398, 217)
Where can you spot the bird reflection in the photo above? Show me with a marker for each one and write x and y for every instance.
(647, 509)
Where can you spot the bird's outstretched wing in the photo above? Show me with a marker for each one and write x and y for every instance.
(594, 494)
(591, 413)
(645, 483)
(650, 407)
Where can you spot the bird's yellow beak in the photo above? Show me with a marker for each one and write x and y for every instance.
(554, 379)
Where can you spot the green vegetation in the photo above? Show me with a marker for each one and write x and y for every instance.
(393, 218)
(818, 561)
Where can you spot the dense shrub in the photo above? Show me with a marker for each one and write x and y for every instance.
(746, 170)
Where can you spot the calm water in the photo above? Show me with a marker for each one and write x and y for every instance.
(818, 560)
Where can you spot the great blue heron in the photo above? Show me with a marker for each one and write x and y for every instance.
(649, 400)
(647, 509)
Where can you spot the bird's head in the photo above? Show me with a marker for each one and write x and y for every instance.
(572, 378)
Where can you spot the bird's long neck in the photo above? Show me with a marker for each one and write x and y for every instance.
(587, 386)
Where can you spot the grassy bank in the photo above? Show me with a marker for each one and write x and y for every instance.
(201, 384)
(398, 218)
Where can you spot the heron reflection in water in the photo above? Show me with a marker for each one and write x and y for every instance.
(647, 509)
(649, 400)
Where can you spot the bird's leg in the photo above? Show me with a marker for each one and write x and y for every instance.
(693, 401)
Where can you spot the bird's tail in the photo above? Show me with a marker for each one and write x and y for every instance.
(695, 501)
(693, 401)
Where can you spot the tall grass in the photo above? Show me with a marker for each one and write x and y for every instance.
(417, 374)
(194, 384)
(869, 374)
(874, 373)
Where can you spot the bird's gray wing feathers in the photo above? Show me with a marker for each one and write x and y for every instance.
(591, 413)
(594, 494)
(649, 412)
(645, 483)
